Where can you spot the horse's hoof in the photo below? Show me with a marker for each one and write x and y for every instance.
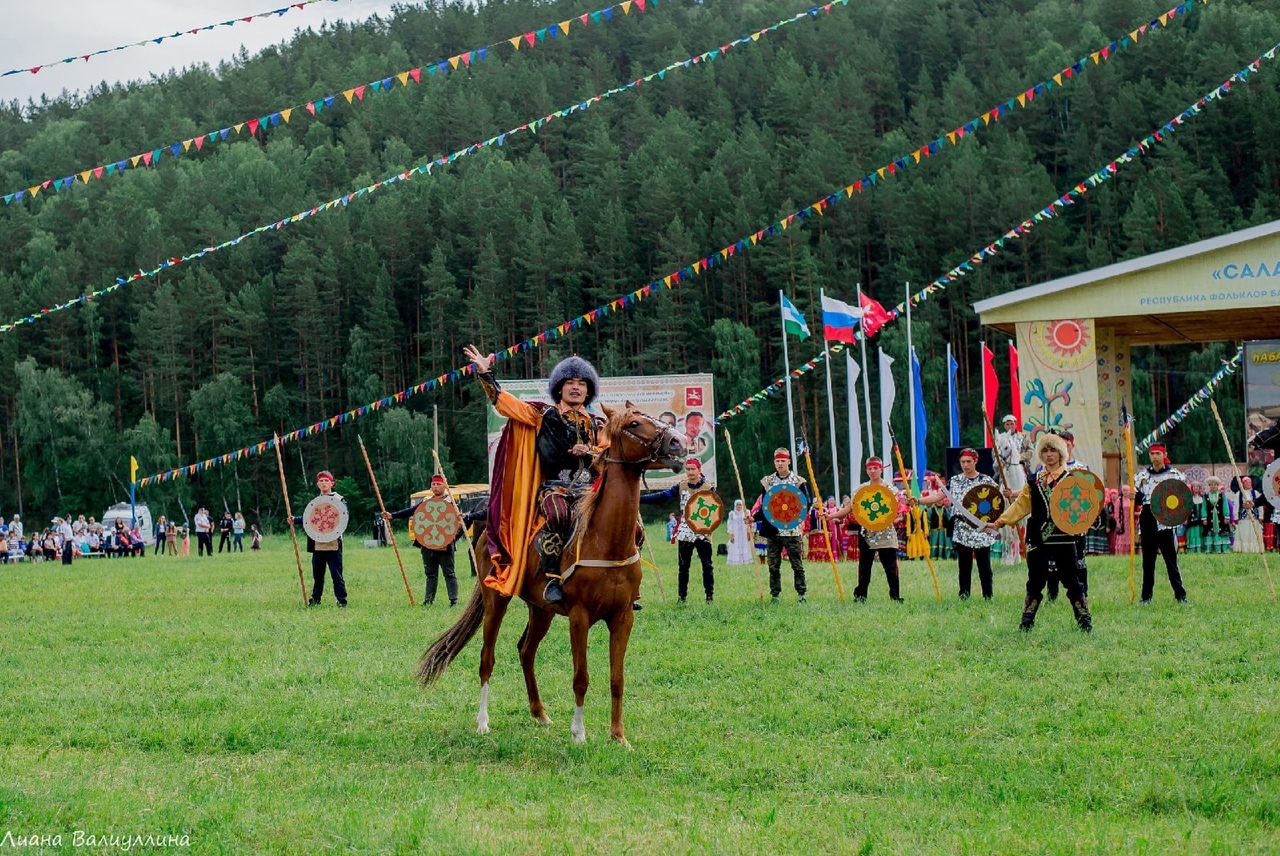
(542, 719)
(482, 726)
(623, 742)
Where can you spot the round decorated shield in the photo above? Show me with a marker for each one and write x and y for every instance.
(1271, 484)
(1171, 502)
(704, 512)
(435, 523)
(785, 506)
(1074, 504)
(325, 519)
(875, 507)
(984, 501)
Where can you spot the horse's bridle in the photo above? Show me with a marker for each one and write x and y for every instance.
(652, 446)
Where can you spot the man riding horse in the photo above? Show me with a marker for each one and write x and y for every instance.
(543, 465)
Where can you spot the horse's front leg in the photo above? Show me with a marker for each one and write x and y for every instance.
(620, 624)
(539, 623)
(495, 607)
(579, 625)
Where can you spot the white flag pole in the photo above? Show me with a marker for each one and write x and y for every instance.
(831, 410)
(855, 430)
(786, 362)
(866, 377)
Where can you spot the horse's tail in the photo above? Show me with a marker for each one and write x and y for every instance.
(450, 644)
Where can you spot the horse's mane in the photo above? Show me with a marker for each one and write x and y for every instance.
(586, 507)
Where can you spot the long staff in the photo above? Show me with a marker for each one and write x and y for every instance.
(653, 560)
(1133, 494)
(391, 534)
(1231, 456)
(284, 488)
(826, 534)
(745, 512)
(471, 550)
(902, 471)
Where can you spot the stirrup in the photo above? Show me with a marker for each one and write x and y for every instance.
(554, 592)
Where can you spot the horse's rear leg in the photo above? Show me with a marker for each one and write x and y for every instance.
(495, 607)
(620, 624)
(579, 624)
(539, 623)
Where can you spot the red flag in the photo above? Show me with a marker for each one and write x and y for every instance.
(990, 388)
(1015, 388)
(874, 316)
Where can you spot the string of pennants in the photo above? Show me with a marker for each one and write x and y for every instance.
(885, 172)
(247, 19)
(671, 280)
(353, 96)
(554, 31)
(1201, 396)
(423, 169)
(1049, 211)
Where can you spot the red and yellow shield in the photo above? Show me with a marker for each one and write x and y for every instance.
(1171, 502)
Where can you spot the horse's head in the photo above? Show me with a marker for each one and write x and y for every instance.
(637, 438)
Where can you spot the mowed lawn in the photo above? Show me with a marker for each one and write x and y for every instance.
(197, 696)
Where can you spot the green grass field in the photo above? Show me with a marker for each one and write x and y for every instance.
(196, 696)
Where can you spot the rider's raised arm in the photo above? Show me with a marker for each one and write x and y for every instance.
(504, 402)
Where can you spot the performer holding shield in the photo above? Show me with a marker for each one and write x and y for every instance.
(781, 509)
(324, 520)
(1048, 543)
(875, 508)
(435, 525)
(702, 512)
(1165, 502)
(976, 500)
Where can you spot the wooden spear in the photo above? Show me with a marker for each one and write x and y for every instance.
(391, 533)
(826, 533)
(471, 551)
(1133, 494)
(288, 510)
(743, 494)
(906, 485)
(1231, 456)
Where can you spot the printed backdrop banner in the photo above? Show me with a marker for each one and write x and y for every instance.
(1059, 364)
(685, 401)
(1261, 386)
(1114, 387)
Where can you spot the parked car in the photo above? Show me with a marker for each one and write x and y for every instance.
(125, 512)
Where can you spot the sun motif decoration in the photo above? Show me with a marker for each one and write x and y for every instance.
(1065, 345)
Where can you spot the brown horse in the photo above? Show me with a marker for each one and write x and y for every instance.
(601, 563)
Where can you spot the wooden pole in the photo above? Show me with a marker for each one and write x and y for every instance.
(1231, 456)
(288, 510)
(391, 534)
(471, 550)
(743, 494)
(902, 471)
(1133, 494)
(826, 533)
(653, 560)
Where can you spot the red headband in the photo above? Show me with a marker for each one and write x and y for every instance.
(325, 474)
(969, 453)
(782, 453)
(695, 462)
(437, 478)
(873, 461)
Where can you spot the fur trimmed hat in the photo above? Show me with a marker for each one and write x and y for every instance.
(574, 367)
(1052, 441)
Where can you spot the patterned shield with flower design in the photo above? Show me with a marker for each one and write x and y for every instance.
(704, 512)
(325, 519)
(1074, 504)
(785, 506)
(435, 523)
(875, 507)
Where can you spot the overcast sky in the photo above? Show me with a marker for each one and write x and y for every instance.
(41, 31)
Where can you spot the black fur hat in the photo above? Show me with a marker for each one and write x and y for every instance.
(574, 367)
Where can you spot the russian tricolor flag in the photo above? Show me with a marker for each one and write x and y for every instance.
(839, 320)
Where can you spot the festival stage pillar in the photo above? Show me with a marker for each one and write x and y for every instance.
(1058, 361)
